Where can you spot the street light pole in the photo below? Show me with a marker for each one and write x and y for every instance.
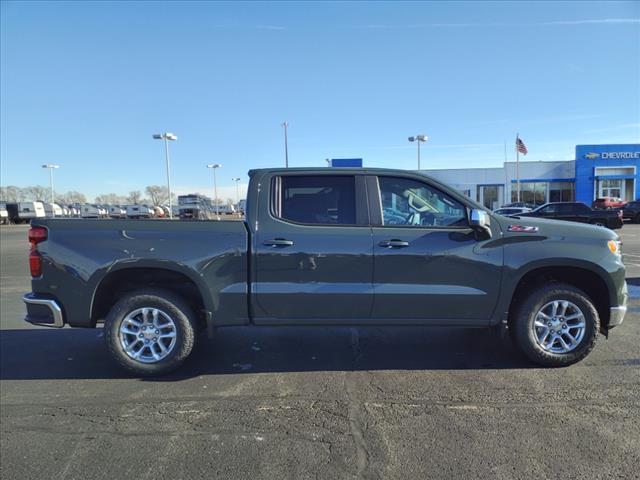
(286, 145)
(166, 137)
(419, 139)
(237, 179)
(214, 166)
(51, 166)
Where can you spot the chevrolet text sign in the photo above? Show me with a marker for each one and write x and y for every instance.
(614, 155)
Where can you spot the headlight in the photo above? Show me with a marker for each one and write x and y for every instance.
(614, 246)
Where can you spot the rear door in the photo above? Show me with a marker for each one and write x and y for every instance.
(430, 266)
(313, 250)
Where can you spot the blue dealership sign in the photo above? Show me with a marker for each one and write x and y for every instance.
(346, 162)
(607, 170)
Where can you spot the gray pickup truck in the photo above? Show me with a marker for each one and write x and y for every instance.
(329, 247)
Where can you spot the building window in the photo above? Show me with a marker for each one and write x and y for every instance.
(489, 195)
(611, 188)
(561, 192)
(530, 192)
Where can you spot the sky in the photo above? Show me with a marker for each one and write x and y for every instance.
(86, 84)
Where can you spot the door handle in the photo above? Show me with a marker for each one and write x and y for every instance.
(278, 242)
(394, 244)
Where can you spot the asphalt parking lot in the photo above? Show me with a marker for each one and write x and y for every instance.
(315, 403)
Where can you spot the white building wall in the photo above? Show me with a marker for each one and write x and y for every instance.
(471, 178)
(540, 171)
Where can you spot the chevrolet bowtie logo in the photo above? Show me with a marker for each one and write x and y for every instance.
(591, 156)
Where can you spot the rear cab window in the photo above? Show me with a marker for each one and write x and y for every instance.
(315, 199)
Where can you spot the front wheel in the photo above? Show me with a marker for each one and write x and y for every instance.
(556, 325)
(150, 332)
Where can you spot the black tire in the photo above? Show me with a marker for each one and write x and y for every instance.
(636, 218)
(171, 304)
(524, 316)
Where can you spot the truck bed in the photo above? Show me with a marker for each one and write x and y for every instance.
(81, 256)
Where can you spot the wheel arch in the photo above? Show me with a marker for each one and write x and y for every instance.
(123, 278)
(588, 277)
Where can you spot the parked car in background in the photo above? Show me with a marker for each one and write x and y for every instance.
(138, 211)
(530, 206)
(226, 209)
(195, 207)
(158, 211)
(4, 215)
(52, 210)
(577, 212)
(116, 211)
(24, 212)
(631, 211)
(323, 246)
(511, 210)
(242, 206)
(90, 211)
(608, 203)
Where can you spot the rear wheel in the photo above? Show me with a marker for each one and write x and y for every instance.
(636, 219)
(556, 325)
(150, 332)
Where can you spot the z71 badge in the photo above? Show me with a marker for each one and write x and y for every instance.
(522, 229)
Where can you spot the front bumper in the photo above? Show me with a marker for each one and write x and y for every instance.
(616, 315)
(43, 311)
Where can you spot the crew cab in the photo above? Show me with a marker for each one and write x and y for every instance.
(329, 247)
(578, 212)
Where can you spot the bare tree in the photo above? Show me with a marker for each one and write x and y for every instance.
(158, 194)
(109, 199)
(134, 197)
(37, 192)
(10, 193)
(71, 197)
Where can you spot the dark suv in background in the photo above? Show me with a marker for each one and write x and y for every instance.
(577, 212)
(631, 211)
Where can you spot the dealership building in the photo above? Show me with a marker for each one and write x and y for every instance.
(597, 171)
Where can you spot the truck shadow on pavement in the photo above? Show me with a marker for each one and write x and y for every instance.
(36, 353)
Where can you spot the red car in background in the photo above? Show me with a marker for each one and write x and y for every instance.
(608, 203)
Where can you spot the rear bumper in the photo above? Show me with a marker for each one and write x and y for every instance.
(43, 311)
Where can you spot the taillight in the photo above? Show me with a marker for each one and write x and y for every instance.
(35, 263)
(36, 235)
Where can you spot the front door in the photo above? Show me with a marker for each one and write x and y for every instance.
(314, 251)
(429, 264)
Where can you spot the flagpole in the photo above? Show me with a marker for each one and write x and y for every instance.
(506, 175)
(517, 166)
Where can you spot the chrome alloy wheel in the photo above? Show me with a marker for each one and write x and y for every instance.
(147, 335)
(559, 326)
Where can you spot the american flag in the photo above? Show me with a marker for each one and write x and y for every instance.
(521, 147)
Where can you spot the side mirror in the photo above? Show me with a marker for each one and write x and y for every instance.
(480, 219)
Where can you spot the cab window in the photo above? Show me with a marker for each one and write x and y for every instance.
(411, 203)
(316, 200)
